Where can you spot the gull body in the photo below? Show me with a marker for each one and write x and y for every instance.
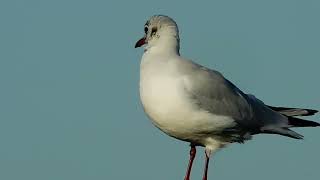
(164, 91)
(198, 105)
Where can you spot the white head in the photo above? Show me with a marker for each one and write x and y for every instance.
(161, 34)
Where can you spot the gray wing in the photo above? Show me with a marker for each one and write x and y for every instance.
(215, 94)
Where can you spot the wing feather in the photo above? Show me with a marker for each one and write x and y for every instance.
(215, 94)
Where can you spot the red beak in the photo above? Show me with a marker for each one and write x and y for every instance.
(141, 42)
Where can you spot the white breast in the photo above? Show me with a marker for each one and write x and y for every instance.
(163, 100)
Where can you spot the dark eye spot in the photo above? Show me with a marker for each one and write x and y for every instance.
(153, 30)
(146, 29)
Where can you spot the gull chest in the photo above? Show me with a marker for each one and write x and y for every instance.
(165, 102)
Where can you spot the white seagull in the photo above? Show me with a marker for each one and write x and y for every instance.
(198, 105)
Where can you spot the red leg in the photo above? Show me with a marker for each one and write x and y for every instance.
(193, 151)
(205, 173)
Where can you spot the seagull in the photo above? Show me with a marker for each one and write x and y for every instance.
(199, 105)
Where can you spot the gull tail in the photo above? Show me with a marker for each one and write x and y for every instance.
(297, 122)
(292, 121)
(281, 131)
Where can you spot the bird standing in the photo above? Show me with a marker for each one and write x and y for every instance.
(198, 105)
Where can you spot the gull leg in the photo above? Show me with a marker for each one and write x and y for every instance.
(193, 151)
(205, 173)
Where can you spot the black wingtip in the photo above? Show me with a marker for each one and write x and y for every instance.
(296, 122)
(311, 112)
(294, 111)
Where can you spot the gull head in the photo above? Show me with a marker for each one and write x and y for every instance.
(161, 32)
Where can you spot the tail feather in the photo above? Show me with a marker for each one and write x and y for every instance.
(282, 131)
(292, 121)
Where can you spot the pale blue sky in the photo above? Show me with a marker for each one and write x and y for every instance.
(69, 75)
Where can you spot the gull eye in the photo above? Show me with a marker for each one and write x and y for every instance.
(146, 29)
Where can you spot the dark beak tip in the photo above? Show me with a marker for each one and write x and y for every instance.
(140, 43)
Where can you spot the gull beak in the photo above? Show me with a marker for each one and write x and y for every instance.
(141, 42)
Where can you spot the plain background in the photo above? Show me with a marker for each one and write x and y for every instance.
(69, 98)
